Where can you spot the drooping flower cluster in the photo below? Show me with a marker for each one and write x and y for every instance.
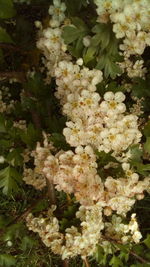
(73, 242)
(77, 173)
(94, 123)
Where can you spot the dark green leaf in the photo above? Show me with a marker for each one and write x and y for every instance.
(7, 260)
(6, 9)
(4, 36)
(9, 179)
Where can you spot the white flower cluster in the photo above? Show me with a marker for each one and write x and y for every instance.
(35, 177)
(73, 242)
(71, 80)
(100, 124)
(21, 124)
(131, 21)
(117, 230)
(121, 193)
(75, 173)
(133, 69)
(31, 177)
(50, 40)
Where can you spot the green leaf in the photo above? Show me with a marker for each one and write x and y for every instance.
(147, 145)
(59, 141)
(27, 243)
(136, 154)
(89, 55)
(115, 262)
(103, 35)
(4, 36)
(6, 9)
(107, 63)
(15, 158)
(7, 260)
(147, 241)
(9, 180)
(73, 7)
(30, 136)
(72, 33)
(147, 129)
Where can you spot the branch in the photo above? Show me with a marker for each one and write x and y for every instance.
(10, 47)
(51, 192)
(20, 76)
(138, 257)
(130, 252)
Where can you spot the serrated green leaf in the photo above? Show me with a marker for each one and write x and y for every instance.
(71, 34)
(7, 260)
(9, 180)
(4, 36)
(107, 63)
(6, 9)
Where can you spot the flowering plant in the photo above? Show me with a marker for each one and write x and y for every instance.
(75, 132)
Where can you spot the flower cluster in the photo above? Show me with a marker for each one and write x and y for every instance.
(133, 69)
(130, 20)
(75, 173)
(103, 125)
(50, 40)
(117, 230)
(93, 123)
(73, 242)
(35, 177)
(71, 78)
(21, 124)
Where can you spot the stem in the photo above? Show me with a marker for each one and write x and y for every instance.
(138, 257)
(20, 76)
(51, 192)
(65, 263)
(86, 262)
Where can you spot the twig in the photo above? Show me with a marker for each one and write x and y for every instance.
(130, 252)
(51, 192)
(10, 47)
(65, 263)
(20, 76)
(138, 257)
(86, 262)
